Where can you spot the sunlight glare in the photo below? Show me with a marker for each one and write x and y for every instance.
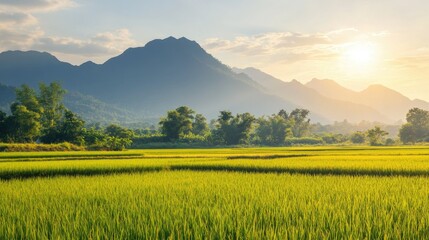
(361, 53)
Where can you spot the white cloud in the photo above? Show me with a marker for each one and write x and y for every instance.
(290, 46)
(35, 5)
(13, 39)
(106, 43)
(12, 19)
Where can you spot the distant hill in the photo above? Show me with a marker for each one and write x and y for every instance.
(145, 82)
(306, 97)
(390, 102)
(150, 80)
(32, 67)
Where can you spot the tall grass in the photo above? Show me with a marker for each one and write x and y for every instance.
(215, 205)
(252, 193)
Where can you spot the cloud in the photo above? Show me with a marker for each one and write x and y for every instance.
(102, 44)
(14, 39)
(19, 29)
(289, 46)
(418, 58)
(16, 18)
(35, 5)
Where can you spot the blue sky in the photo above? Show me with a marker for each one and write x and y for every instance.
(356, 43)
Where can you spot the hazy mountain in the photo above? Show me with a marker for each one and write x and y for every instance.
(390, 102)
(164, 74)
(32, 67)
(94, 110)
(152, 79)
(308, 98)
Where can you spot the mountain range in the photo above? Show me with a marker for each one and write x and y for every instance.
(145, 82)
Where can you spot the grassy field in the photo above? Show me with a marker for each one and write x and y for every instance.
(252, 193)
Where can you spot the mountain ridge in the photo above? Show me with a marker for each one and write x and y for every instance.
(162, 75)
(394, 103)
(299, 94)
(167, 73)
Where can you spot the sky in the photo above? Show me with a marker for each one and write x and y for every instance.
(354, 42)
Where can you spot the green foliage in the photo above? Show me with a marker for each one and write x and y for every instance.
(304, 141)
(376, 136)
(417, 127)
(330, 138)
(177, 122)
(94, 137)
(50, 98)
(69, 129)
(358, 137)
(200, 126)
(300, 122)
(233, 130)
(34, 147)
(27, 97)
(273, 130)
(114, 130)
(117, 144)
(23, 126)
(407, 133)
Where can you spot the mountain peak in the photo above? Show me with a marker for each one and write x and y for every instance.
(172, 41)
(295, 82)
(28, 55)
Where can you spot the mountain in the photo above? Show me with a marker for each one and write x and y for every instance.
(32, 67)
(306, 97)
(390, 102)
(167, 73)
(150, 80)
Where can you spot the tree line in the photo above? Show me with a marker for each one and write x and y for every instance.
(40, 116)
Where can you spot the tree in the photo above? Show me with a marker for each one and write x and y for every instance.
(234, 130)
(274, 129)
(27, 97)
(376, 136)
(407, 133)
(23, 125)
(177, 122)
(200, 126)
(358, 137)
(117, 137)
(71, 129)
(50, 98)
(114, 130)
(417, 127)
(94, 136)
(300, 122)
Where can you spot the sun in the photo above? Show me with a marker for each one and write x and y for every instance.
(361, 53)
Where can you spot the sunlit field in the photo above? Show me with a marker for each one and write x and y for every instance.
(275, 193)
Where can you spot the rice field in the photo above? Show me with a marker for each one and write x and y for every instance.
(239, 193)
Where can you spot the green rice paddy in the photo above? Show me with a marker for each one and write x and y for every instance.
(240, 193)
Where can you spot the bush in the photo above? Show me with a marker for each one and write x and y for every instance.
(303, 141)
(34, 147)
(390, 142)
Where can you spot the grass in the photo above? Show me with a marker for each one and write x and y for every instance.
(257, 193)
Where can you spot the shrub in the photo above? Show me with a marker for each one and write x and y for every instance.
(303, 141)
(35, 147)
